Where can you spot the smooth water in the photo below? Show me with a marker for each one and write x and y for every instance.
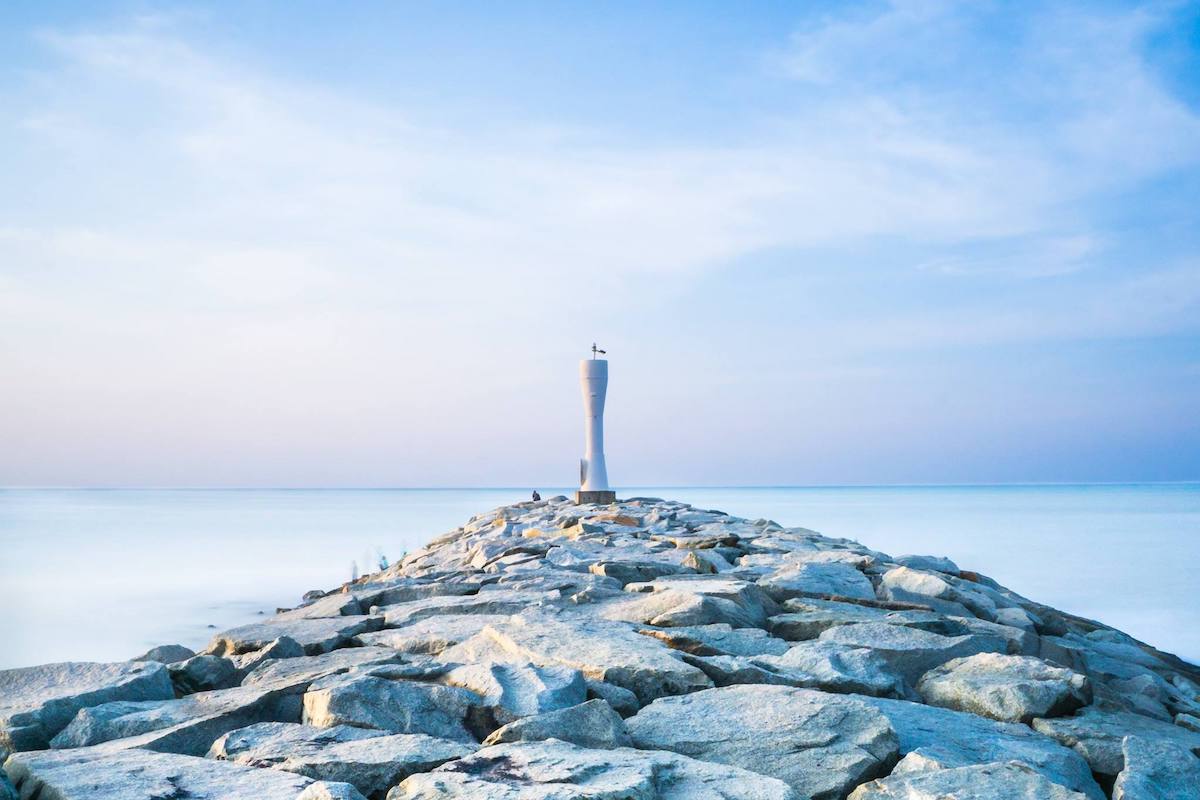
(106, 574)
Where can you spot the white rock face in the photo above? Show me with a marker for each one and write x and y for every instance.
(556, 770)
(741, 659)
(1007, 688)
(38, 702)
(821, 744)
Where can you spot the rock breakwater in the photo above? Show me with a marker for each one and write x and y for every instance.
(642, 650)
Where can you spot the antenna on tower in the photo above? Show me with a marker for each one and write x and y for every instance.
(596, 350)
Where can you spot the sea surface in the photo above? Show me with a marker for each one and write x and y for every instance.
(100, 575)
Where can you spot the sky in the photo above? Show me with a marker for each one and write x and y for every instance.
(365, 244)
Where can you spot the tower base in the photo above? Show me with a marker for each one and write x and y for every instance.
(599, 498)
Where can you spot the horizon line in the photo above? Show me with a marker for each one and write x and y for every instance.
(932, 485)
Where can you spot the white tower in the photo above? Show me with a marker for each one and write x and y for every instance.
(593, 474)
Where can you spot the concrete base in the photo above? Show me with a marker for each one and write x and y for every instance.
(599, 498)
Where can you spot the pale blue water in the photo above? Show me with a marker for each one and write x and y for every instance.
(106, 574)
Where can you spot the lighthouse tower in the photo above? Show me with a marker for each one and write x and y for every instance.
(593, 474)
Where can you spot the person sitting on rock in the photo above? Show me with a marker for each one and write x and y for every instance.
(536, 496)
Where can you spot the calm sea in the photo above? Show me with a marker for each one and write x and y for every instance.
(105, 574)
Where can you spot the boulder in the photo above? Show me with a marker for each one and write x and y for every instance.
(520, 690)
(635, 571)
(204, 673)
(752, 603)
(822, 745)
(338, 604)
(591, 724)
(1157, 769)
(938, 738)
(555, 770)
(1007, 688)
(601, 650)
(100, 772)
(719, 640)
(318, 635)
(910, 651)
(187, 726)
(283, 647)
(1188, 721)
(372, 761)
(1010, 781)
(395, 706)
(623, 701)
(928, 564)
(432, 635)
(166, 654)
(937, 591)
(834, 667)
(495, 603)
(672, 607)
(330, 790)
(815, 579)
(1098, 735)
(38, 702)
(808, 618)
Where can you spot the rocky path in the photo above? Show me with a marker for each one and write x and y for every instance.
(646, 650)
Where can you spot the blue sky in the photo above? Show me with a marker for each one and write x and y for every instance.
(363, 244)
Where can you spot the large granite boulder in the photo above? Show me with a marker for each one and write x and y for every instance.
(432, 635)
(204, 673)
(938, 591)
(1098, 735)
(318, 635)
(1000, 781)
(371, 760)
(520, 690)
(1007, 688)
(601, 650)
(1157, 769)
(297, 673)
(814, 579)
(822, 745)
(719, 640)
(554, 770)
(834, 667)
(92, 773)
(939, 738)
(495, 603)
(38, 702)
(910, 651)
(590, 724)
(166, 654)
(330, 790)
(394, 706)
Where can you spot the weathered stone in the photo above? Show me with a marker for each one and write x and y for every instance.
(330, 790)
(340, 604)
(943, 739)
(495, 603)
(752, 603)
(928, 564)
(554, 770)
(936, 591)
(821, 744)
(395, 706)
(623, 701)
(635, 571)
(1010, 781)
(808, 578)
(590, 724)
(520, 690)
(1157, 769)
(297, 673)
(38, 702)
(318, 635)
(910, 651)
(134, 774)
(187, 727)
(166, 654)
(1007, 688)
(719, 640)
(372, 761)
(601, 650)
(283, 647)
(1188, 722)
(432, 635)
(834, 667)
(1097, 735)
(808, 618)
(671, 607)
(204, 673)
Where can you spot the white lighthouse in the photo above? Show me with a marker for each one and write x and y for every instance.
(593, 474)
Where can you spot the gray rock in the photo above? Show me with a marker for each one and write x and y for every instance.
(821, 744)
(752, 603)
(395, 706)
(635, 571)
(315, 635)
(283, 647)
(432, 635)
(134, 774)
(928, 564)
(591, 724)
(330, 790)
(204, 673)
(605, 651)
(1157, 769)
(166, 654)
(187, 726)
(7, 790)
(297, 673)
(372, 761)
(937, 591)
(623, 701)
(1007, 688)
(1097, 735)
(38, 702)
(910, 651)
(339, 604)
(834, 667)
(1188, 722)
(672, 607)
(495, 603)
(719, 640)
(817, 579)
(520, 690)
(942, 739)
(406, 590)
(1010, 781)
(554, 770)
